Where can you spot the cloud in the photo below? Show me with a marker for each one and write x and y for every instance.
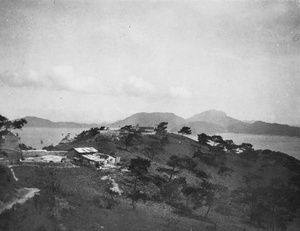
(64, 78)
(180, 92)
(16, 79)
(61, 77)
(134, 86)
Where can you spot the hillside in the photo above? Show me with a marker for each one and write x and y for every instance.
(215, 117)
(33, 121)
(203, 188)
(262, 128)
(150, 119)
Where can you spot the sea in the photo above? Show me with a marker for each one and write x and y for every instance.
(285, 144)
(41, 137)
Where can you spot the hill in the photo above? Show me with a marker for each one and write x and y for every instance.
(215, 117)
(203, 188)
(262, 128)
(33, 121)
(150, 119)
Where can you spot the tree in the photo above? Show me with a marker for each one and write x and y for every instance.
(172, 190)
(185, 130)
(173, 162)
(230, 145)
(209, 193)
(193, 194)
(7, 125)
(161, 128)
(217, 140)
(155, 148)
(203, 139)
(273, 206)
(246, 147)
(139, 167)
(131, 137)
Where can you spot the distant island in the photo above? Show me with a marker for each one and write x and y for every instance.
(210, 122)
(33, 121)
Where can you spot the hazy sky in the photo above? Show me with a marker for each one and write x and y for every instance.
(94, 61)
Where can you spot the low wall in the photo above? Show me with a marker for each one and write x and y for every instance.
(33, 153)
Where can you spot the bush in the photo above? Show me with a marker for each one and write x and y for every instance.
(224, 209)
(201, 174)
(225, 171)
(104, 202)
(180, 208)
(249, 155)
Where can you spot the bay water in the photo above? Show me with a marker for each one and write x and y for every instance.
(41, 137)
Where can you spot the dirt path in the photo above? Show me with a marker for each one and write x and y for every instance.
(27, 194)
(13, 173)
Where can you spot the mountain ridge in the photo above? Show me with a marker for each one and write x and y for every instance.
(210, 122)
(150, 119)
(33, 121)
(215, 117)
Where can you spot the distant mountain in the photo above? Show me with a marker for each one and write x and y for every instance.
(215, 117)
(263, 128)
(33, 121)
(210, 122)
(150, 119)
(199, 127)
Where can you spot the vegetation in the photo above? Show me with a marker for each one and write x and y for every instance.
(7, 125)
(161, 128)
(185, 184)
(185, 130)
(203, 139)
(272, 206)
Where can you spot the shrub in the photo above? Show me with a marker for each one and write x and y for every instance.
(224, 209)
(104, 202)
(249, 155)
(225, 171)
(180, 208)
(201, 174)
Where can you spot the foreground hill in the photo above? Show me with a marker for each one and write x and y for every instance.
(150, 119)
(33, 121)
(203, 187)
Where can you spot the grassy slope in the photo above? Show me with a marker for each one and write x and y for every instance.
(91, 207)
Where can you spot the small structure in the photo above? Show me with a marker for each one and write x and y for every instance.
(90, 156)
(99, 159)
(78, 152)
(147, 130)
(9, 147)
(137, 128)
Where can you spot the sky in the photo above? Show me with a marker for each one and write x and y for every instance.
(95, 61)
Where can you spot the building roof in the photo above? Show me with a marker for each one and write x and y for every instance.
(86, 150)
(97, 157)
